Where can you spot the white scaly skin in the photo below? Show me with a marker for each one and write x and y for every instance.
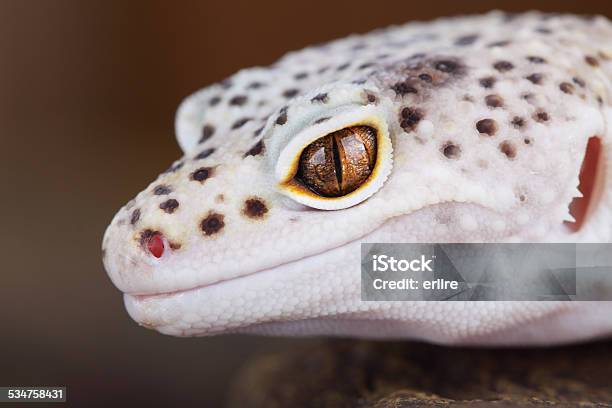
(295, 270)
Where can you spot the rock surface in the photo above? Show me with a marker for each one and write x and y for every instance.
(344, 373)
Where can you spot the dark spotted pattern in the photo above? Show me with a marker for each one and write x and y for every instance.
(566, 87)
(518, 122)
(162, 189)
(410, 118)
(135, 216)
(426, 78)
(255, 208)
(502, 43)
(321, 120)
(214, 100)
(541, 116)
(508, 149)
(592, 61)
(536, 60)
(301, 75)
(240, 122)
(535, 78)
(579, 81)
(201, 174)
(403, 88)
(281, 119)
(466, 40)
(494, 101)
(487, 82)
(321, 98)
(205, 153)
(371, 98)
(169, 206)
(238, 100)
(255, 85)
(290, 93)
(503, 66)
(258, 131)
(207, 132)
(212, 223)
(257, 149)
(176, 166)
(451, 150)
(487, 126)
(447, 66)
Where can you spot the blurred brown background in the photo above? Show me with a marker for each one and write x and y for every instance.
(88, 94)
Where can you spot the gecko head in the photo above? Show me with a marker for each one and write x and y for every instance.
(258, 226)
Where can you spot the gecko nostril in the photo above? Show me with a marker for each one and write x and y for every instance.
(153, 241)
(155, 245)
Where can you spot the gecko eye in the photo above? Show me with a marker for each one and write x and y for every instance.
(337, 162)
(340, 162)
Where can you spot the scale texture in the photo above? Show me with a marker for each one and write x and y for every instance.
(483, 121)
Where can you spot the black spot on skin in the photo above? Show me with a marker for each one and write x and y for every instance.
(579, 81)
(487, 82)
(426, 78)
(214, 100)
(566, 87)
(301, 75)
(447, 66)
(592, 61)
(503, 66)
(205, 153)
(290, 93)
(255, 85)
(508, 149)
(201, 174)
(541, 116)
(240, 122)
(518, 122)
(535, 78)
(371, 98)
(486, 126)
(321, 120)
(536, 60)
(226, 84)
(527, 141)
(365, 65)
(322, 70)
(410, 118)
(403, 88)
(466, 40)
(343, 67)
(162, 189)
(135, 216)
(282, 117)
(238, 100)
(258, 131)
(502, 43)
(494, 101)
(451, 150)
(255, 208)
(176, 166)
(322, 98)
(257, 149)
(169, 206)
(212, 224)
(207, 132)
(543, 30)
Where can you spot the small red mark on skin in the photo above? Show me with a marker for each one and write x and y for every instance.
(155, 245)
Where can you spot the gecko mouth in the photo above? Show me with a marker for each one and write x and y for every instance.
(591, 184)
